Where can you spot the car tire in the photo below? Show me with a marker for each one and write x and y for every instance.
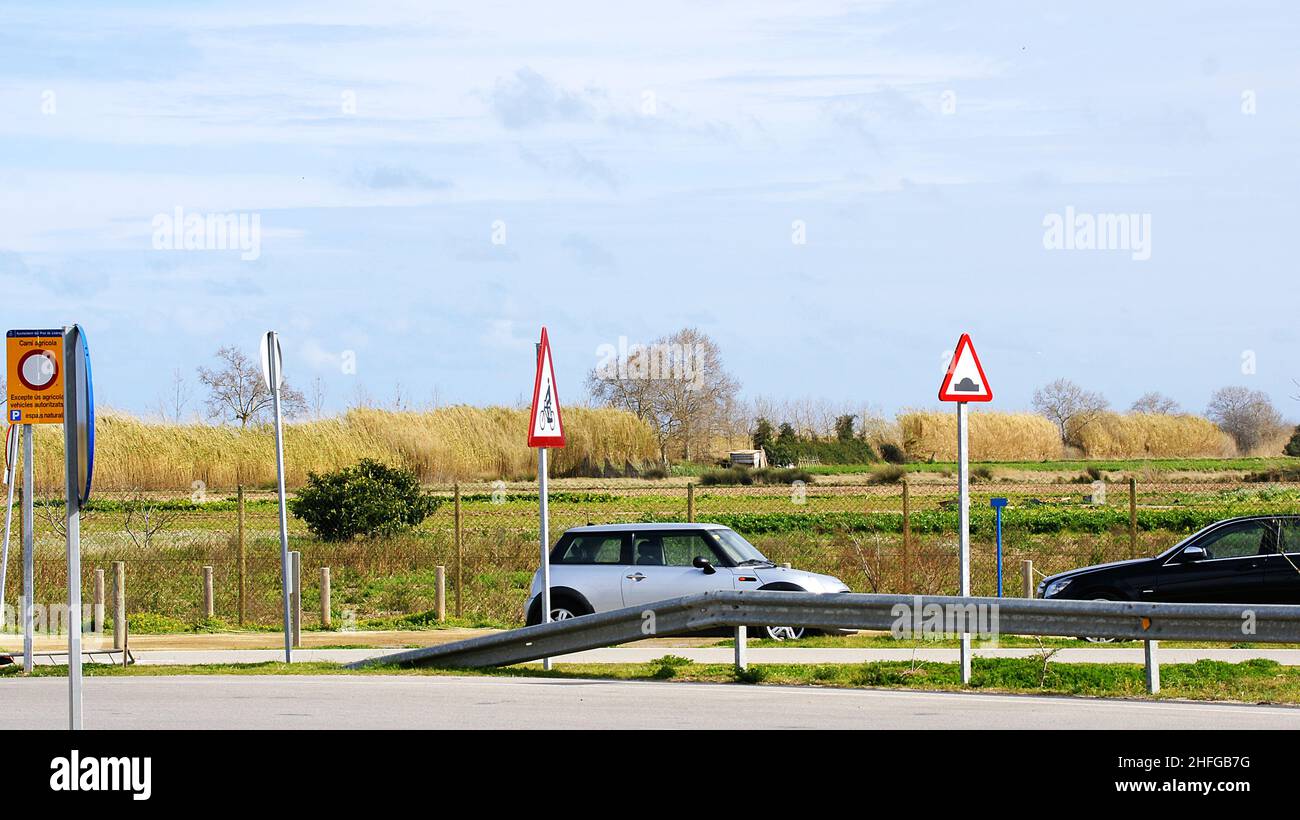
(1103, 597)
(563, 607)
(781, 633)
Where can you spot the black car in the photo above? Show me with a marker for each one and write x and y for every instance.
(1249, 560)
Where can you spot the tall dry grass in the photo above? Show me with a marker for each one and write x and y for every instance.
(453, 443)
(1153, 435)
(932, 435)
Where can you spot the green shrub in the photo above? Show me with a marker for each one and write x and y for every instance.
(366, 499)
(892, 453)
(728, 476)
(1293, 445)
(892, 474)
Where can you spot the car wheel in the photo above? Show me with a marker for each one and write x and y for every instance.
(563, 607)
(1102, 640)
(782, 633)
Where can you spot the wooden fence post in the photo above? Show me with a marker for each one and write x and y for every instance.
(907, 538)
(459, 553)
(325, 597)
(440, 597)
(1132, 517)
(690, 501)
(242, 557)
(209, 606)
(97, 616)
(295, 602)
(119, 605)
(1027, 579)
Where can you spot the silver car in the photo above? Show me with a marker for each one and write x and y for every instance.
(606, 567)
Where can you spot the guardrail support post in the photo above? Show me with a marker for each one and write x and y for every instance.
(440, 598)
(1153, 666)
(1026, 579)
(325, 598)
(742, 660)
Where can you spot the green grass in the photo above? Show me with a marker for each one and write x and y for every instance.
(1253, 681)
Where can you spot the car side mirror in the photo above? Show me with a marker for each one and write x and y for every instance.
(700, 562)
(1191, 554)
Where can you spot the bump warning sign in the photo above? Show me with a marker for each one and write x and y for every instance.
(34, 377)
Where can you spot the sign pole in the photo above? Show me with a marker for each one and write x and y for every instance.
(286, 581)
(963, 560)
(29, 543)
(546, 540)
(73, 526)
(11, 462)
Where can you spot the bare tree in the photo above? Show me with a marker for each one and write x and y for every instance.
(317, 398)
(1069, 407)
(1247, 415)
(144, 518)
(172, 404)
(676, 384)
(236, 391)
(1156, 403)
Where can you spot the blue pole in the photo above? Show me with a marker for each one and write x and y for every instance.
(999, 517)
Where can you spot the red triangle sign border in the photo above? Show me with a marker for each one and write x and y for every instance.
(945, 394)
(544, 361)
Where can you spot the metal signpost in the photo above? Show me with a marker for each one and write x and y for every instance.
(35, 396)
(11, 461)
(79, 452)
(998, 504)
(273, 376)
(962, 383)
(545, 429)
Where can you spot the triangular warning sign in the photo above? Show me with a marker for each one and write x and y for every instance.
(545, 426)
(965, 380)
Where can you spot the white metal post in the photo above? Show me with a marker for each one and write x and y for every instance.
(546, 541)
(11, 462)
(286, 577)
(963, 523)
(29, 543)
(73, 526)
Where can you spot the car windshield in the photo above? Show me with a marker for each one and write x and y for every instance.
(741, 552)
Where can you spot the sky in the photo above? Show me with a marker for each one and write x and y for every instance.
(833, 192)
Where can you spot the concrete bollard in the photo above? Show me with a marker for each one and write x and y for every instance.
(209, 606)
(119, 605)
(742, 659)
(440, 599)
(325, 598)
(295, 600)
(97, 616)
(1026, 579)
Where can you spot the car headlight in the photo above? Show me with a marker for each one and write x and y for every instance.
(1056, 587)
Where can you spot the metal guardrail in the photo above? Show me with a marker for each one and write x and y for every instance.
(1150, 622)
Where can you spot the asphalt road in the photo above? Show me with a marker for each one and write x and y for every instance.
(393, 702)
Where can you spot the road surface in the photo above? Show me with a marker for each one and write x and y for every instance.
(393, 702)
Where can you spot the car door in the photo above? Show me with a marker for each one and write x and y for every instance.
(593, 565)
(663, 567)
(1282, 569)
(1232, 570)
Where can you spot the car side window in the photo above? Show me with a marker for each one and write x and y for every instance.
(1239, 540)
(680, 550)
(593, 549)
(1291, 537)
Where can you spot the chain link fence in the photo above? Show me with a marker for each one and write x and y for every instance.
(876, 537)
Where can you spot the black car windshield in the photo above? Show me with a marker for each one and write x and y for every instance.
(740, 551)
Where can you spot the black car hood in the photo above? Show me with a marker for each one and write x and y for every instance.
(1094, 568)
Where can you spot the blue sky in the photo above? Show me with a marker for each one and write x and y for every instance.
(649, 167)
